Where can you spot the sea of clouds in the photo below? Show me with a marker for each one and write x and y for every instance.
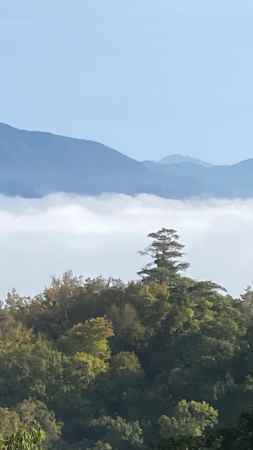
(91, 236)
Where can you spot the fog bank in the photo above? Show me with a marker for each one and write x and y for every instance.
(45, 237)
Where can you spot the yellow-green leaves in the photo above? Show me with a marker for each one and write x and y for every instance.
(190, 420)
(89, 337)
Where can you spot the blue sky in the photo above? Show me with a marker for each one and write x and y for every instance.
(147, 77)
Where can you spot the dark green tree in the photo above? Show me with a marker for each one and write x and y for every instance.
(119, 433)
(165, 252)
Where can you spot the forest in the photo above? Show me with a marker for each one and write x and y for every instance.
(165, 362)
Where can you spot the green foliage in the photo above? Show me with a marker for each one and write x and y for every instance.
(101, 446)
(125, 362)
(165, 252)
(89, 337)
(190, 420)
(24, 440)
(103, 365)
(24, 416)
(119, 433)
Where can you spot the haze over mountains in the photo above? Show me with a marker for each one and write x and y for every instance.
(33, 164)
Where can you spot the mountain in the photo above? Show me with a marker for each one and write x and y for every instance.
(33, 164)
(182, 159)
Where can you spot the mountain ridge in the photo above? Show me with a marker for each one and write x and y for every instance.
(35, 163)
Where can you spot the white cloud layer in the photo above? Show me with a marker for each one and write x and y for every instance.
(102, 236)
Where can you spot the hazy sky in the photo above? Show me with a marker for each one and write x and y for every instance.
(146, 77)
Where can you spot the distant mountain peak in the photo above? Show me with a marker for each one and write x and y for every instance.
(34, 164)
(179, 159)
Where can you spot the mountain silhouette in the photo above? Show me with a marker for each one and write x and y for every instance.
(34, 164)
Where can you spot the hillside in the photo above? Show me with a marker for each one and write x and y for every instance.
(164, 363)
(34, 164)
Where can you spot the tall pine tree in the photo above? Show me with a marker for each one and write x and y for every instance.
(165, 252)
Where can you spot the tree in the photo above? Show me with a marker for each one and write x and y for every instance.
(89, 337)
(190, 419)
(189, 423)
(126, 362)
(165, 252)
(100, 445)
(119, 433)
(102, 365)
(35, 412)
(24, 440)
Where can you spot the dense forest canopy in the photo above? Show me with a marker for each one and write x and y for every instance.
(165, 362)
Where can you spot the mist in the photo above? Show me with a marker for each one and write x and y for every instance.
(41, 238)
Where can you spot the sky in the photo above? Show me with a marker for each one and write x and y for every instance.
(149, 78)
(46, 237)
